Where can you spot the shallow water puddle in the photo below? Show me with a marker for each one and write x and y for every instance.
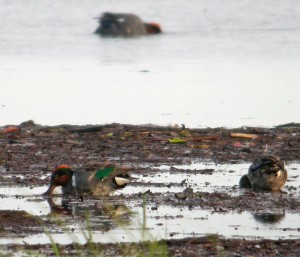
(124, 220)
(204, 177)
(199, 176)
(171, 222)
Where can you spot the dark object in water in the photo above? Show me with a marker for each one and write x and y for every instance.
(269, 216)
(123, 24)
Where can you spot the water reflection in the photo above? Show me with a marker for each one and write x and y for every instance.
(101, 215)
(269, 217)
(115, 221)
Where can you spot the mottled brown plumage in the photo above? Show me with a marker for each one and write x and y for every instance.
(266, 172)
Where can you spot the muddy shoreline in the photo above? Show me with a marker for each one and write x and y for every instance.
(212, 245)
(28, 153)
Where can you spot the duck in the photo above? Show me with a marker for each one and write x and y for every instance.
(94, 179)
(125, 24)
(266, 172)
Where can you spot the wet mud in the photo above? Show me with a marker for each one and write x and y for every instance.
(19, 223)
(183, 177)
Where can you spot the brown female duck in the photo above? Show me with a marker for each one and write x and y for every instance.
(266, 172)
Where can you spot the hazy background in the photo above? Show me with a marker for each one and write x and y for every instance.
(218, 63)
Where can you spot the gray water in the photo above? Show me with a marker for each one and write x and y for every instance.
(218, 63)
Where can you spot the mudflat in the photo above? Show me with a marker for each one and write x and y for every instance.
(29, 152)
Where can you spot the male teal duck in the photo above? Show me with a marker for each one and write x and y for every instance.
(266, 172)
(95, 179)
(125, 24)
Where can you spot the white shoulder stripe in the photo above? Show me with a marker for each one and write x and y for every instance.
(74, 181)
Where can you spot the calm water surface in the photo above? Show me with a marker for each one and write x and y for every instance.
(218, 63)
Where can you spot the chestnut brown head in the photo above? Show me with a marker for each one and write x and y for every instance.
(152, 28)
(60, 176)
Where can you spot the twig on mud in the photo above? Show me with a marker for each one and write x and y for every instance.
(243, 135)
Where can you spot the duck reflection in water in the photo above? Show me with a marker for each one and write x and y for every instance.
(100, 215)
(269, 217)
